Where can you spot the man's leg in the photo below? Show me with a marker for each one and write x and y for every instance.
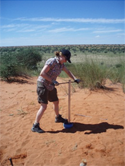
(56, 107)
(39, 115)
(58, 117)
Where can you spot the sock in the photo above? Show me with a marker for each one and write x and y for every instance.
(35, 124)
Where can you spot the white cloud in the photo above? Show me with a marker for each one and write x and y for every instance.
(37, 31)
(80, 20)
(108, 31)
(97, 36)
(23, 27)
(67, 29)
(13, 26)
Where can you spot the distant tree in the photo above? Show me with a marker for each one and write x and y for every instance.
(28, 58)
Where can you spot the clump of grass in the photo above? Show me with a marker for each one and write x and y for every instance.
(94, 74)
(75, 147)
(21, 112)
(11, 114)
(91, 73)
(118, 73)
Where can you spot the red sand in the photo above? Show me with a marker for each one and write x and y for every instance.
(97, 136)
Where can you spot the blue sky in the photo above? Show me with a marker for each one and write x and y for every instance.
(61, 22)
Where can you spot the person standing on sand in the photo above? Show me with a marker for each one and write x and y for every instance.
(46, 83)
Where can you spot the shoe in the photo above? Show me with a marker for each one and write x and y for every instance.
(37, 129)
(59, 119)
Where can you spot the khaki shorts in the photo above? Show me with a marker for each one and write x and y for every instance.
(44, 95)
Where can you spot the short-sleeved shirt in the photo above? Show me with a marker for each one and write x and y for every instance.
(55, 70)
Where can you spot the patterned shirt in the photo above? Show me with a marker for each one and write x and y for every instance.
(55, 70)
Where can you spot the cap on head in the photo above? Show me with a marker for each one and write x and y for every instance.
(67, 54)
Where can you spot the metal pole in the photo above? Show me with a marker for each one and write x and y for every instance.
(11, 161)
(66, 82)
(69, 90)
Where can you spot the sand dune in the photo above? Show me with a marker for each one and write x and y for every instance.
(97, 135)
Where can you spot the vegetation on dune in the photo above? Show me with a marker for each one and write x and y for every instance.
(91, 63)
(94, 74)
(18, 63)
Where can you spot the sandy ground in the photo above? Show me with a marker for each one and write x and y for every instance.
(97, 135)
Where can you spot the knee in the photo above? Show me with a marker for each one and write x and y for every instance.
(56, 102)
(44, 107)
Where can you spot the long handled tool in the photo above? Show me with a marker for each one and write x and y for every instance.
(69, 92)
(68, 125)
(11, 161)
(66, 82)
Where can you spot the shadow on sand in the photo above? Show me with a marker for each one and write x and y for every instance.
(19, 80)
(89, 128)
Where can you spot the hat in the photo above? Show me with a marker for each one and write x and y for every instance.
(67, 54)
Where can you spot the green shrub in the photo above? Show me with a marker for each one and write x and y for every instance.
(28, 58)
(16, 64)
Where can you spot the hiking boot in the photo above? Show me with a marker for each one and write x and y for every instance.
(59, 119)
(36, 128)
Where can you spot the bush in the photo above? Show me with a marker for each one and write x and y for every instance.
(17, 64)
(28, 58)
